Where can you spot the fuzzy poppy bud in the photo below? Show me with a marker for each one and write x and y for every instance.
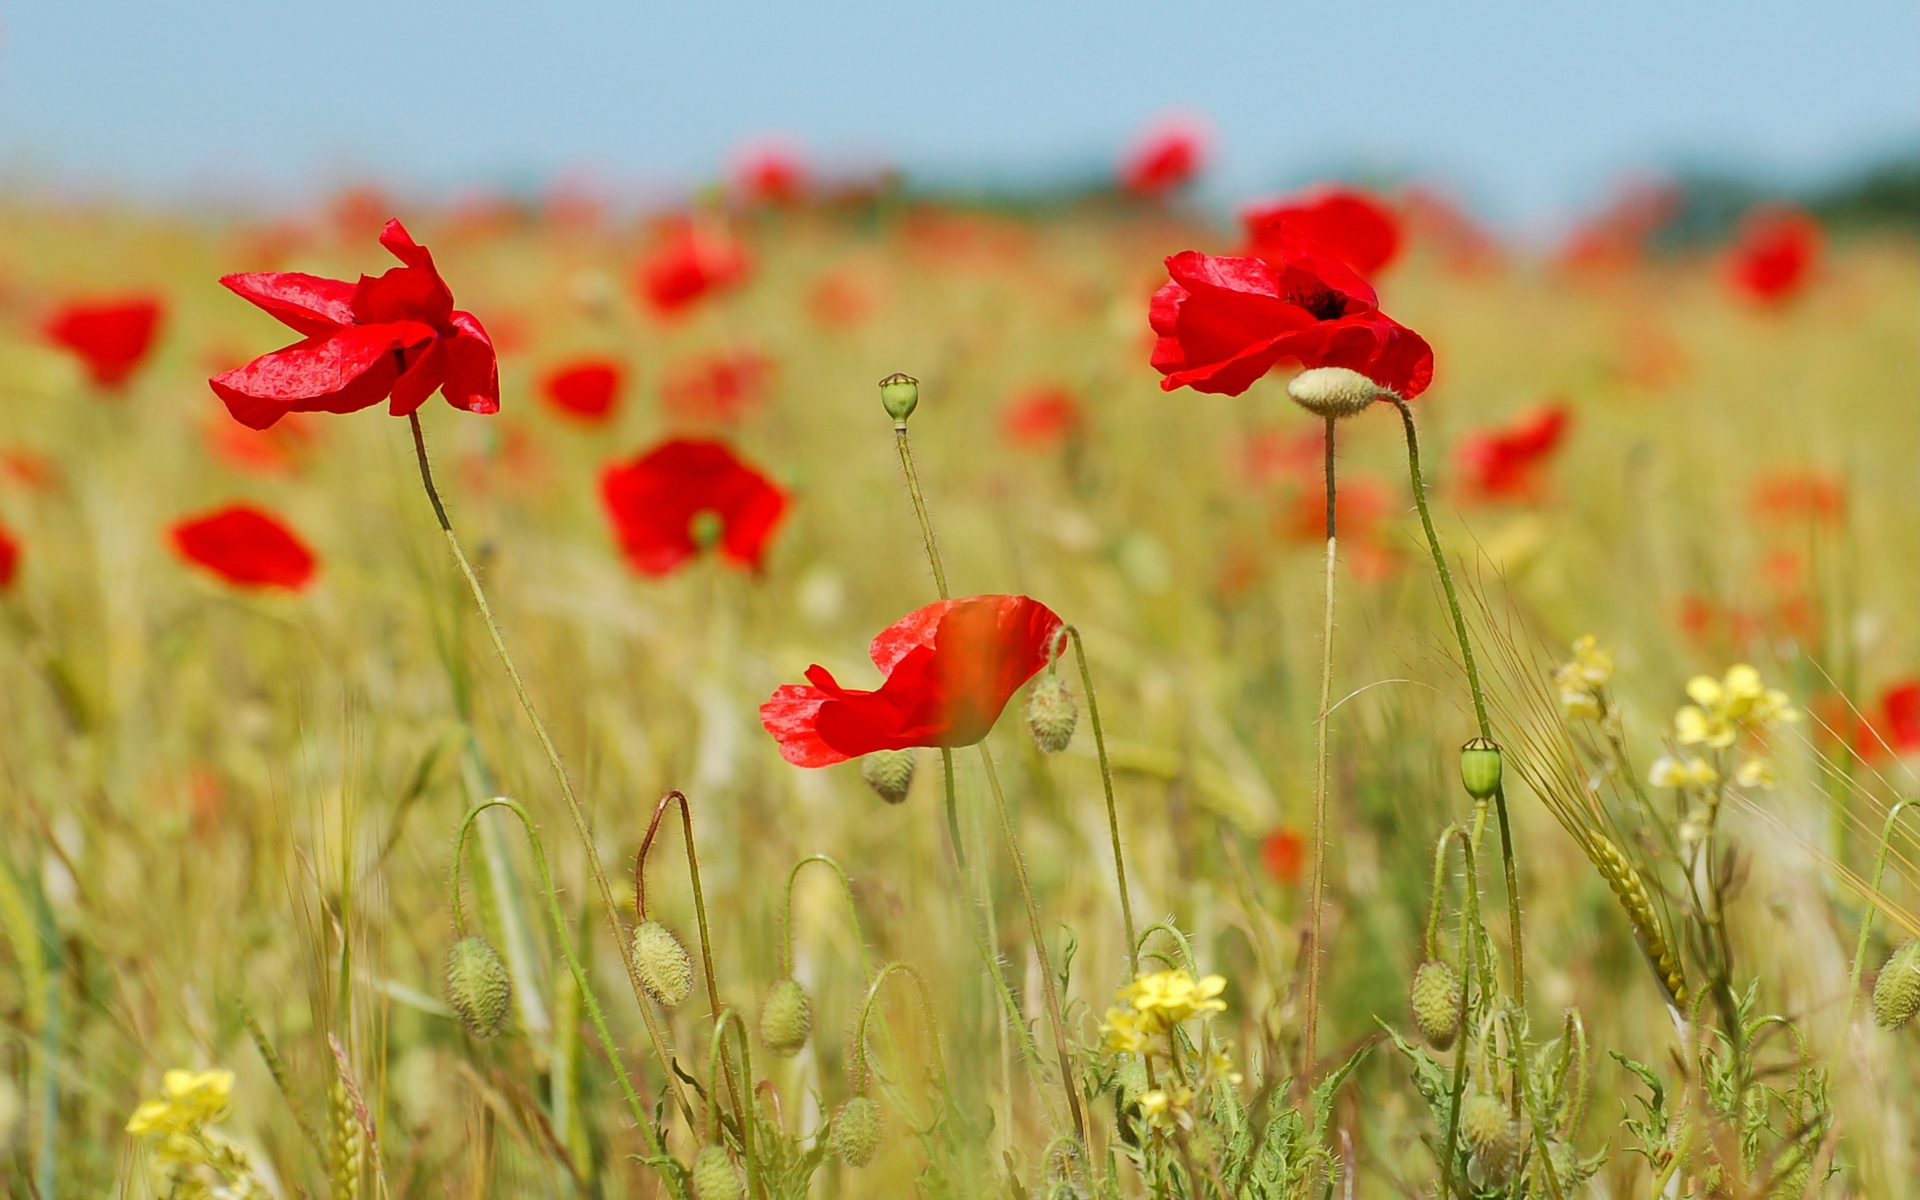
(1333, 391)
(900, 394)
(714, 1176)
(786, 1019)
(665, 970)
(1491, 1135)
(1436, 1003)
(1480, 768)
(1896, 993)
(478, 987)
(857, 1131)
(1052, 713)
(889, 773)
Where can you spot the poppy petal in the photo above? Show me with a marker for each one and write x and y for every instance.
(791, 716)
(473, 372)
(246, 546)
(421, 379)
(307, 303)
(346, 371)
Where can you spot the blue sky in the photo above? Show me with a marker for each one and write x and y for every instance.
(1529, 110)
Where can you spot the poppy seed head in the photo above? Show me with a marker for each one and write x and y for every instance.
(900, 394)
(1333, 391)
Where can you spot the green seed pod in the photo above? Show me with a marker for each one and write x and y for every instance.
(786, 1019)
(1791, 1174)
(478, 986)
(889, 773)
(1490, 1134)
(1480, 768)
(857, 1131)
(1896, 993)
(1436, 1003)
(1052, 713)
(1333, 391)
(714, 1176)
(900, 394)
(665, 970)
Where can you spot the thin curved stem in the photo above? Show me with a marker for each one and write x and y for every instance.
(693, 873)
(1873, 908)
(920, 507)
(1473, 684)
(926, 1015)
(587, 996)
(1106, 782)
(622, 941)
(1469, 927)
(718, 1068)
(786, 914)
(1317, 887)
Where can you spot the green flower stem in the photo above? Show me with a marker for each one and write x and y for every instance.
(1473, 684)
(859, 1066)
(1873, 907)
(920, 507)
(1317, 888)
(693, 874)
(786, 914)
(1106, 782)
(587, 996)
(717, 1065)
(621, 940)
(1451, 1165)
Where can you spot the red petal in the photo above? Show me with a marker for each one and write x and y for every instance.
(246, 546)
(421, 379)
(791, 715)
(652, 502)
(308, 303)
(343, 372)
(473, 373)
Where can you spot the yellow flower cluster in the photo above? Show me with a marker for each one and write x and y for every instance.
(1721, 710)
(192, 1099)
(197, 1162)
(1580, 681)
(1158, 1002)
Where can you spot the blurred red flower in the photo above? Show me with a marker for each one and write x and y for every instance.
(1284, 852)
(110, 336)
(246, 546)
(394, 335)
(1900, 709)
(839, 302)
(770, 173)
(1778, 250)
(683, 496)
(950, 668)
(717, 387)
(1167, 157)
(689, 264)
(1360, 505)
(588, 388)
(9, 557)
(1507, 463)
(276, 451)
(1225, 322)
(1615, 238)
(1269, 455)
(1803, 494)
(1042, 418)
(1356, 227)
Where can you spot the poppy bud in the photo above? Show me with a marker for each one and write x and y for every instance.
(889, 773)
(1051, 713)
(1436, 1003)
(478, 986)
(1480, 768)
(786, 1019)
(1896, 993)
(714, 1177)
(900, 394)
(1333, 391)
(857, 1131)
(1491, 1134)
(665, 970)
(705, 528)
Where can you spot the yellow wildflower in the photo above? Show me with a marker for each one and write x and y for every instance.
(1127, 1031)
(1756, 772)
(1219, 1064)
(1580, 681)
(1680, 771)
(1163, 1107)
(1170, 997)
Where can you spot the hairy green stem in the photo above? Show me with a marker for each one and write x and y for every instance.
(1106, 782)
(786, 914)
(859, 1066)
(693, 874)
(1452, 1167)
(1317, 888)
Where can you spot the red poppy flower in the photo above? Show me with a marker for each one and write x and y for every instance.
(950, 667)
(770, 173)
(1900, 708)
(717, 387)
(9, 558)
(1359, 230)
(246, 546)
(1505, 464)
(1042, 418)
(1805, 495)
(110, 336)
(682, 493)
(587, 388)
(1167, 157)
(1284, 852)
(394, 335)
(691, 263)
(1775, 256)
(1225, 322)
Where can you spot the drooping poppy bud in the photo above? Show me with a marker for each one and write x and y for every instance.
(1335, 392)
(478, 987)
(786, 1020)
(857, 1131)
(889, 773)
(665, 970)
(1436, 1003)
(1896, 993)
(1051, 713)
(1491, 1134)
(714, 1175)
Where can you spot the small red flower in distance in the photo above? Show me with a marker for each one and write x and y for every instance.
(689, 264)
(1042, 418)
(1506, 463)
(770, 173)
(950, 667)
(110, 336)
(1225, 322)
(1775, 256)
(1360, 507)
(682, 497)
(588, 388)
(1357, 228)
(247, 547)
(716, 387)
(1283, 852)
(393, 335)
(9, 557)
(277, 451)
(1167, 157)
(1800, 494)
